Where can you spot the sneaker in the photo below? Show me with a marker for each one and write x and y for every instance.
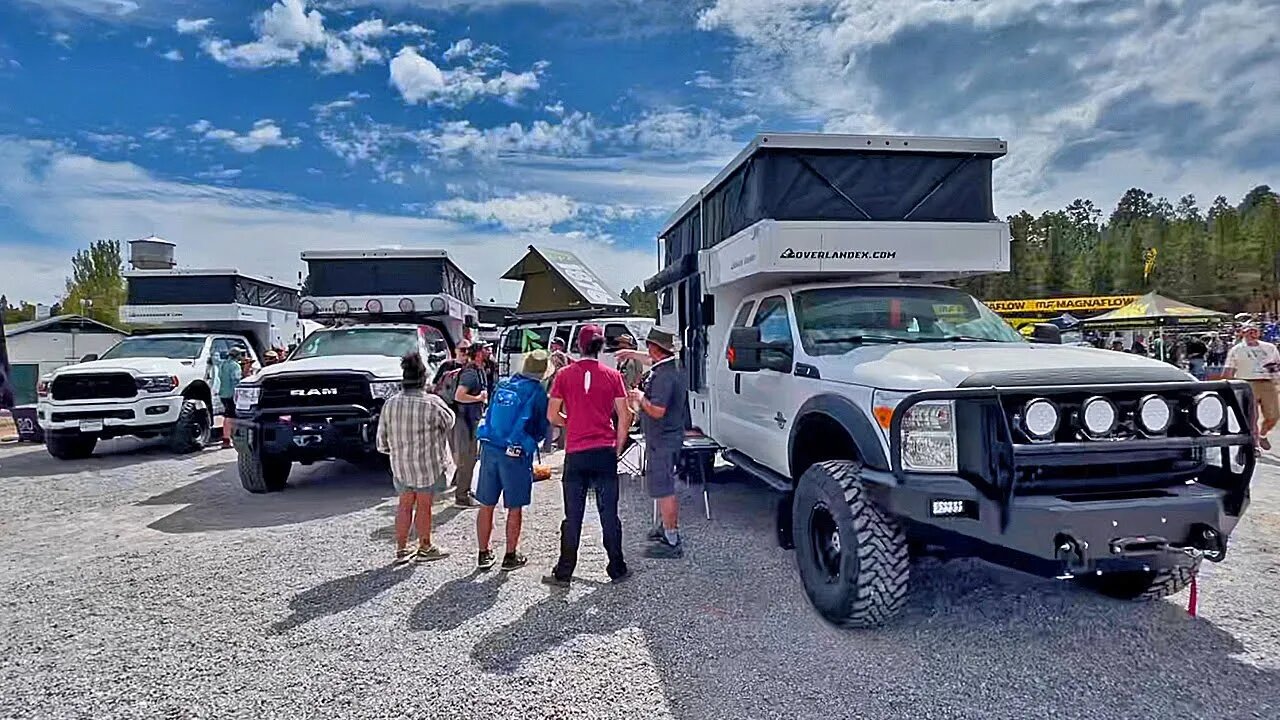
(403, 556)
(656, 534)
(665, 551)
(626, 573)
(555, 581)
(513, 561)
(466, 502)
(429, 553)
(1264, 443)
(485, 560)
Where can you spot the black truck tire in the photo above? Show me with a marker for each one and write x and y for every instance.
(191, 433)
(260, 474)
(852, 556)
(70, 447)
(1142, 585)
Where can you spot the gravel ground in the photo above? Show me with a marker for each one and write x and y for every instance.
(135, 584)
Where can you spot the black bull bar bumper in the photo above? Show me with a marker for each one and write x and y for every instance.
(332, 431)
(1152, 525)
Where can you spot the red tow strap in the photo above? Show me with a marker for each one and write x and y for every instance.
(1194, 599)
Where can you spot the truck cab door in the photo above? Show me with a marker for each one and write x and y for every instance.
(764, 393)
(729, 423)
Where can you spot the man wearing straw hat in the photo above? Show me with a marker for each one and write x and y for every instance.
(513, 424)
(663, 405)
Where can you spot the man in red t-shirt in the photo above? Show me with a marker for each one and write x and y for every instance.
(585, 398)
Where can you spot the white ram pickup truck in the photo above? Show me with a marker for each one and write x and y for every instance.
(146, 386)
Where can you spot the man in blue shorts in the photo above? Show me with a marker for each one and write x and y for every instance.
(509, 436)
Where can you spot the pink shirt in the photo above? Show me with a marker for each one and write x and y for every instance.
(588, 390)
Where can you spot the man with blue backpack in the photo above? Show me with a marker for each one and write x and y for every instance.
(513, 426)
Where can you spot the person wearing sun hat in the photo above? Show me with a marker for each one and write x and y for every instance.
(513, 424)
(663, 406)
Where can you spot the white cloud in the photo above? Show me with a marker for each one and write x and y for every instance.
(284, 30)
(416, 77)
(103, 9)
(421, 81)
(62, 39)
(376, 29)
(459, 49)
(158, 133)
(250, 55)
(264, 134)
(185, 26)
(521, 212)
(173, 55)
(66, 198)
(219, 173)
(343, 57)
(326, 109)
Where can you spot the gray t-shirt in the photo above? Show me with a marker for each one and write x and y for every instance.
(473, 382)
(667, 388)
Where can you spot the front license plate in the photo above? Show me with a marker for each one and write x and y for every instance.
(90, 426)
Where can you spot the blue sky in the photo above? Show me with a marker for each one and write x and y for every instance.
(249, 130)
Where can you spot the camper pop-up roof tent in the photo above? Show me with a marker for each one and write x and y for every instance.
(810, 205)
(558, 284)
(389, 285)
(263, 309)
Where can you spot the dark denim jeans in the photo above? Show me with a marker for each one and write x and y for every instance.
(583, 471)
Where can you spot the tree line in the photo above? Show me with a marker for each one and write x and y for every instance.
(95, 288)
(1226, 258)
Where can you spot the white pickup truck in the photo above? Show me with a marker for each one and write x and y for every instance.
(900, 417)
(145, 386)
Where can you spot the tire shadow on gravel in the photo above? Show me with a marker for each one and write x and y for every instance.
(340, 595)
(218, 502)
(459, 601)
(110, 455)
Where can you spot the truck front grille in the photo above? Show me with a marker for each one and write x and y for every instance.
(99, 386)
(93, 415)
(302, 391)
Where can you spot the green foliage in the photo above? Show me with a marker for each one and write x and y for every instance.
(96, 287)
(23, 312)
(1227, 258)
(644, 304)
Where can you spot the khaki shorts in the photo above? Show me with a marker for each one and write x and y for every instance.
(1265, 393)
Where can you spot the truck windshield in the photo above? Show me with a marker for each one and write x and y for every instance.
(833, 321)
(176, 348)
(358, 341)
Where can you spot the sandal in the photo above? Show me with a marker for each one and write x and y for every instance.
(429, 553)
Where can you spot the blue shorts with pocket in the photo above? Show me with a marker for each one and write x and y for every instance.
(661, 471)
(500, 474)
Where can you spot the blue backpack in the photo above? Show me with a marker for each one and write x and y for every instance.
(509, 412)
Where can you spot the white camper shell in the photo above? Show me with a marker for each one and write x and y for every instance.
(164, 379)
(901, 417)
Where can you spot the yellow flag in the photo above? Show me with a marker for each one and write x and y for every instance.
(1150, 263)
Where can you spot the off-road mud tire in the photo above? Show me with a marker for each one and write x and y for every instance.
(1142, 586)
(870, 586)
(191, 433)
(260, 474)
(70, 446)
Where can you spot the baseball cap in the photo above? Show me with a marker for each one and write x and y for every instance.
(588, 334)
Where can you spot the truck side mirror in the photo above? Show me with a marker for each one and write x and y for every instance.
(89, 358)
(744, 349)
(1046, 334)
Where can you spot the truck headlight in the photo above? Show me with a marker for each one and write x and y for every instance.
(384, 390)
(928, 431)
(157, 383)
(247, 396)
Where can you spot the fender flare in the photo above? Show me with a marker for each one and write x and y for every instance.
(852, 419)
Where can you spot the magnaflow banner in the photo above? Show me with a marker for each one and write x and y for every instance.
(6, 372)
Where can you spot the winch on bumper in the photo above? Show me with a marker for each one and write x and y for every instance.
(1072, 503)
(305, 434)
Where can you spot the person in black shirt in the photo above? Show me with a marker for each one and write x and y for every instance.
(1196, 352)
(458, 360)
(471, 396)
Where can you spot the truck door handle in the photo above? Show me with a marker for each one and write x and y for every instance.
(737, 383)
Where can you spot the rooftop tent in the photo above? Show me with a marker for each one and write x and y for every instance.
(211, 287)
(386, 272)
(557, 281)
(1154, 309)
(832, 178)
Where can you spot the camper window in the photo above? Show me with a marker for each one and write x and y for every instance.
(175, 348)
(833, 321)
(358, 341)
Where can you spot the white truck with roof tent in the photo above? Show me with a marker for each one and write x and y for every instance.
(901, 417)
(163, 379)
(324, 400)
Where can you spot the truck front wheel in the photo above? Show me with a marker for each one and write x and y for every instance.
(261, 474)
(852, 556)
(70, 447)
(1142, 585)
(191, 433)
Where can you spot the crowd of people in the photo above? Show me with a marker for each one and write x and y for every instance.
(436, 432)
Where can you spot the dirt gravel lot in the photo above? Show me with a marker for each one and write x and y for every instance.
(135, 584)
